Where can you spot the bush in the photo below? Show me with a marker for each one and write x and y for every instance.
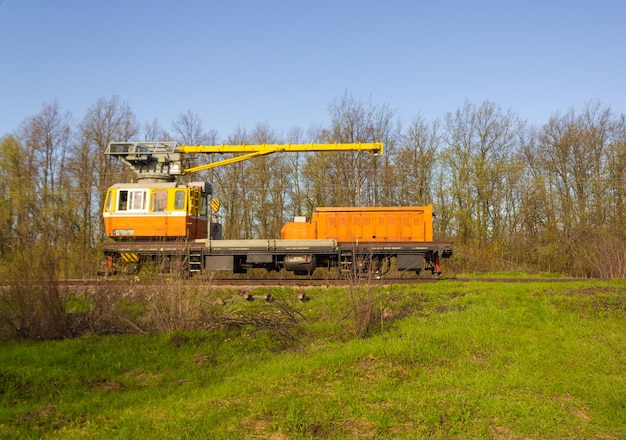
(32, 305)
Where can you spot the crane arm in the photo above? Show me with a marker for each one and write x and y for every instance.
(163, 160)
(264, 149)
(374, 147)
(225, 162)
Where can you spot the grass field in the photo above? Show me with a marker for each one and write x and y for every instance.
(447, 360)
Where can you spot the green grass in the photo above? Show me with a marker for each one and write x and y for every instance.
(450, 360)
(508, 274)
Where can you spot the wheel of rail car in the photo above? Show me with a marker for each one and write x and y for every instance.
(346, 268)
(359, 266)
(384, 265)
(368, 265)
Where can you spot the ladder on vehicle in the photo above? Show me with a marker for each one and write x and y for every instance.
(194, 259)
(345, 261)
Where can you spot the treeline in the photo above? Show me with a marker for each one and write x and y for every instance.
(512, 196)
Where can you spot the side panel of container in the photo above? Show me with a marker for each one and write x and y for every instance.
(412, 224)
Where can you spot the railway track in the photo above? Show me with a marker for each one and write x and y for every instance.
(285, 282)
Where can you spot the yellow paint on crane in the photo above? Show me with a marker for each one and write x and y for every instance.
(251, 151)
(374, 147)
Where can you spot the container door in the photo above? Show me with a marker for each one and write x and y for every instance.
(343, 227)
(418, 227)
(406, 226)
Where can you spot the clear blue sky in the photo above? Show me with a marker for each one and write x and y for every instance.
(240, 63)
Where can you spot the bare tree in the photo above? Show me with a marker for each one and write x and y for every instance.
(47, 135)
(269, 176)
(188, 129)
(233, 186)
(153, 132)
(45, 139)
(349, 178)
(616, 173)
(482, 169)
(109, 120)
(416, 162)
(18, 206)
(295, 204)
(578, 162)
(480, 145)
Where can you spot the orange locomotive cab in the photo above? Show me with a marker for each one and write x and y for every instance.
(156, 210)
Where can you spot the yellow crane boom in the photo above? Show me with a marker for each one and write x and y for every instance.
(252, 151)
(164, 160)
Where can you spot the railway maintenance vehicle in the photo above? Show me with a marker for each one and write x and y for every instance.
(157, 218)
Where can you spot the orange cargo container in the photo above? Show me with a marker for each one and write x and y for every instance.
(380, 224)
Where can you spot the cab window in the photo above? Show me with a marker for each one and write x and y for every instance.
(159, 200)
(203, 206)
(123, 201)
(179, 199)
(132, 200)
(109, 202)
